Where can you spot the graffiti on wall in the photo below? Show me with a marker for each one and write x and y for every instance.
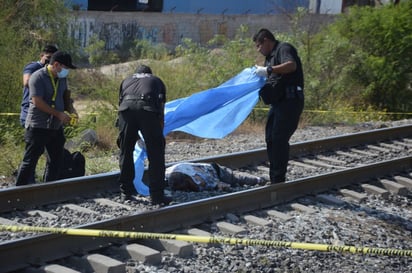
(116, 29)
(113, 33)
(82, 31)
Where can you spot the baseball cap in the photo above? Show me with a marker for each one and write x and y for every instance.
(63, 58)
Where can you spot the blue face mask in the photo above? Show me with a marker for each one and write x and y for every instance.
(63, 73)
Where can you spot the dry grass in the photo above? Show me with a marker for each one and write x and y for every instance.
(250, 126)
(107, 137)
(247, 127)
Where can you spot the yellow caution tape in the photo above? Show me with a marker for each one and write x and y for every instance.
(9, 114)
(344, 112)
(208, 240)
(267, 109)
(18, 114)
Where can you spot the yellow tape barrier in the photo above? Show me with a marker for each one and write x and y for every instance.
(267, 109)
(344, 112)
(18, 114)
(208, 240)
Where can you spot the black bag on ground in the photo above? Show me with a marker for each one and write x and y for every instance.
(273, 90)
(74, 165)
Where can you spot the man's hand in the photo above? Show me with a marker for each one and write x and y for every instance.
(261, 71)
(141, 144)
(63, 117)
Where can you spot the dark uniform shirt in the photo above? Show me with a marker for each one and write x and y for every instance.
(286, 52)
(147, 88)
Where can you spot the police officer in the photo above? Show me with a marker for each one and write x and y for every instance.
(283, 64)
(142, 97)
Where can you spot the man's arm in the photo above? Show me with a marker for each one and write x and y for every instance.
(44, 107)
(26, 78)
(284, 68)
(28, 70)
(287, 60)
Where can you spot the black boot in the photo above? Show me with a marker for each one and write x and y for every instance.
(159, 198)
(128, 197)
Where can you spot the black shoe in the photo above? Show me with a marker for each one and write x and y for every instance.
(274, 182)
(276, 179)
(128, 197)
(161, 200)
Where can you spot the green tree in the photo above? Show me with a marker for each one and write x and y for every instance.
(26, 26)
(364, 60)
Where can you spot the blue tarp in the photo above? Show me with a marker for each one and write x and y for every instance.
(213, 113)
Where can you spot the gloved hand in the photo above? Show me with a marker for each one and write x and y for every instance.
(141, 144)
(261, 71)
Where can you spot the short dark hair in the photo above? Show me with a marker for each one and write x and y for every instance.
(262, 34)
(143, 69)
(49, 49)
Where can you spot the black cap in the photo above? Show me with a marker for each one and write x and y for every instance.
(63, 58)
(143, 69)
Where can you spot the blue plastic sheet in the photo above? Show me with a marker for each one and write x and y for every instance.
(213, 113)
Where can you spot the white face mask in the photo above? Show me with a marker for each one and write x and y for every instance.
(63, 73)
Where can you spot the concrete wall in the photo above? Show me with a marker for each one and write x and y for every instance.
(115, 28)
(233, 6)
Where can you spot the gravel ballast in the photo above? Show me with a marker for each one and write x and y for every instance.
(374, 222)
(365, 224)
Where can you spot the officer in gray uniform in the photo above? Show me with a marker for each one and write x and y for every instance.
(142, 97)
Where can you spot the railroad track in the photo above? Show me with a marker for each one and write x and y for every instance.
(325, 170)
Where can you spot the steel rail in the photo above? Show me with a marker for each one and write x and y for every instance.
(40, 249)
(27, 197)
(257, 156)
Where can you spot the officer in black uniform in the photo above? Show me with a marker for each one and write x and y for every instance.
(282, 64)
(142, 98)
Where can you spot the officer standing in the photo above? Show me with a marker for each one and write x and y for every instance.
(282, 64)
(142, 97)
(46, 117)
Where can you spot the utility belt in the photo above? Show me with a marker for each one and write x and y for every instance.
(294, 92)
(143, 97)
(146, 102)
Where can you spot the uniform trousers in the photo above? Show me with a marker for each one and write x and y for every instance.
(131, 121)
(282, 121)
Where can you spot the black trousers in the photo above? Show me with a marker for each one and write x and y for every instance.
(282, 121)
(131, 121)
(38, 139)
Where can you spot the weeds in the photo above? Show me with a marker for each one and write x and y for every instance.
(340, 74)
